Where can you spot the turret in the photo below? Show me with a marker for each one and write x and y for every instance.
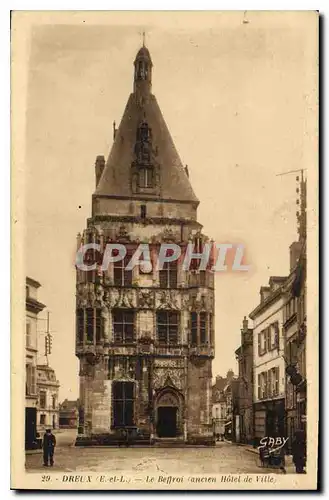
(143, 72)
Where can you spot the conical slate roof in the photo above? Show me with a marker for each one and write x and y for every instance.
(115, 180)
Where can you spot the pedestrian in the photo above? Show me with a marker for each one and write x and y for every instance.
(49, 443)
(299, 451)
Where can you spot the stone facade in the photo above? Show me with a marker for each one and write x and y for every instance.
(268, 361)
(145, 337)
(48, 405)
(244, 356)
(33, 308)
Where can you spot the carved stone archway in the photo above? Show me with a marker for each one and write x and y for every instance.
(169, 413)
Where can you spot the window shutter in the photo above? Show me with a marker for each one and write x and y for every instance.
(259, 345)
(277, 375)
(259, 388)
(276, 334)
(265, 384)
(269, 383)
(33, 380)
(268, 338)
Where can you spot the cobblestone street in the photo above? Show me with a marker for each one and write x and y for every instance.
(225, 458)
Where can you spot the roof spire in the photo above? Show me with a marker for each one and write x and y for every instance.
(143, 70)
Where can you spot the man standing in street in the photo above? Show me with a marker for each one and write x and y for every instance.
(49, 443)
(299, 451)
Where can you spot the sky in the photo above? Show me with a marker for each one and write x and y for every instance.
(235, 90)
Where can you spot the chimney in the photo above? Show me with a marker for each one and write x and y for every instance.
(264, 293)
(295, 249)
(99, 167)
(244, 329)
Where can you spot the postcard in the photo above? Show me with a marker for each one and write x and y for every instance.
(164, 250)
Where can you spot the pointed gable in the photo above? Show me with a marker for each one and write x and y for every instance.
(168, 179)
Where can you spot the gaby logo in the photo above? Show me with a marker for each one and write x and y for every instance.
(214, 256)
(273, 443)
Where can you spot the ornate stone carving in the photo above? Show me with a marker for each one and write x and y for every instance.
(168, 235)
(146, 299)
(125, 370)
(186, 302)
(167, 377)
(93, 359)
(123, 298)
(168, 398)
(169, 363)
(198, 362)
(199, 302)
(106, 323)
(168, 299)
(99, 293)
(123, 233)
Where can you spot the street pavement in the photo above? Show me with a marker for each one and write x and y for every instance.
(225, 458)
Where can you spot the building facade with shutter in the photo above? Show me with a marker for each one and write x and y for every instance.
(48, 404)
(268, 361)
(33, 308)
(144, 336)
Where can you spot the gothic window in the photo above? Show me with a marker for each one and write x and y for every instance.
(43, 419)
(144, 132)
(203, 328)
(54, 402)
(123, 403)
(146, 177)
(98, 325)
(211, 333)
(90, 324)
(168, 275)
(142, 70)
(194, 328)
(91, 256)
(167, 327)
(123, 326)
(121, 276)
(80, 325)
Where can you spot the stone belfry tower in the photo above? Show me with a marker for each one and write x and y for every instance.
(144, 337)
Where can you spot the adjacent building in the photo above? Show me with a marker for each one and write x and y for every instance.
(224, 399)
(244, 356)
(48, 405)
(69, 414)
(296, 328)
(144, 336)
(269, 361)
(33, 308)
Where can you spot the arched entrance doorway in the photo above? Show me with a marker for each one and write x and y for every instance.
(168, 414)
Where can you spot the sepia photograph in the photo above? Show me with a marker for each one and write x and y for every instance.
(165, 250)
